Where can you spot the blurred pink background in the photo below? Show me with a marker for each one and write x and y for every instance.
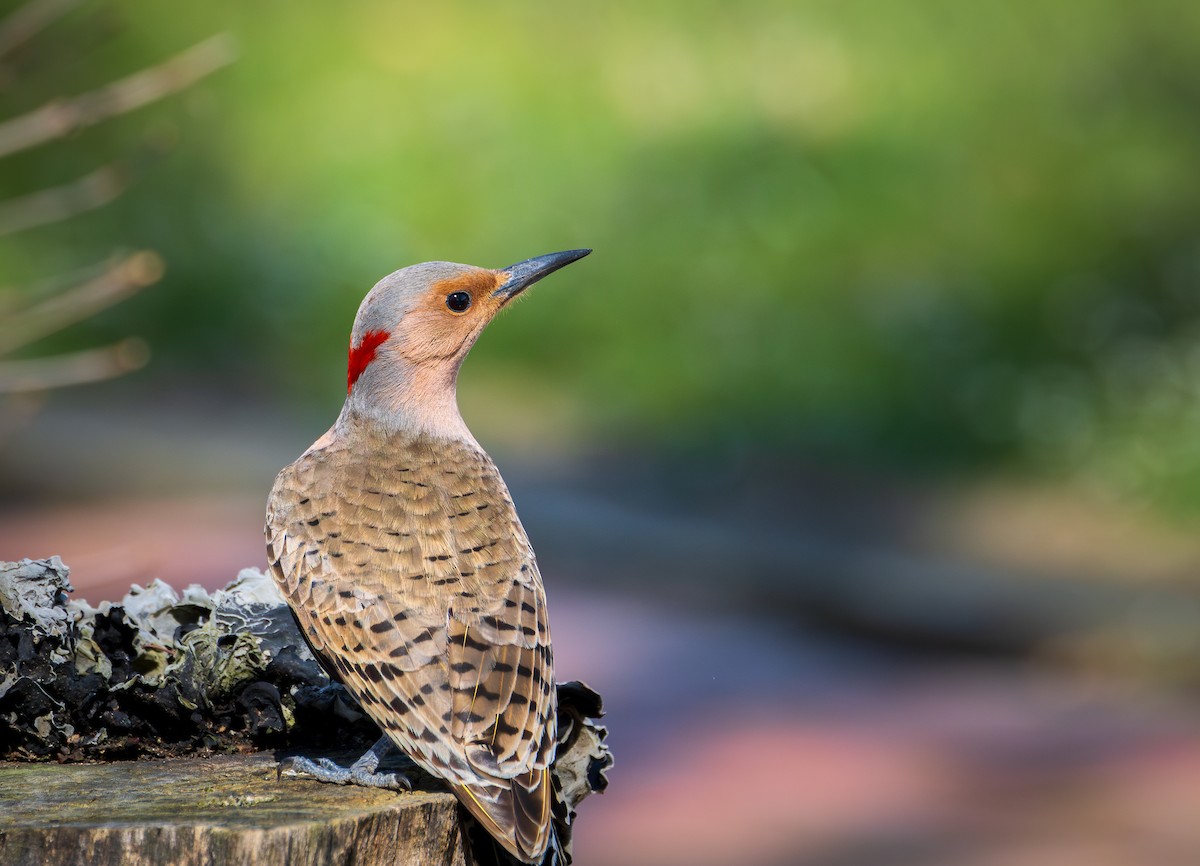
(756, 718)
(862, 457)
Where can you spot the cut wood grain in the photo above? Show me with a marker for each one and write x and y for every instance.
(214, 811)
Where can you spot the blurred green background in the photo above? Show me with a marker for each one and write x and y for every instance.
(862, 456)
(926, 236)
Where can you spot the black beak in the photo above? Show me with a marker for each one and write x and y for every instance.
(524, 274)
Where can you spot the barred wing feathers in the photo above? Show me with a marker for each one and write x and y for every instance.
(410, 574)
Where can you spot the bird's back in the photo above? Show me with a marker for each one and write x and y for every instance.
(412, 577)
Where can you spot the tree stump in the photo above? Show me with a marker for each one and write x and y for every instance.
(171, 677)
(222, 810)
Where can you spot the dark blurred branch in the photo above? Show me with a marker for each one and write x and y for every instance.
(61, 117)
(117, 282)
(24, 23)
(75, 368)
(61, 202)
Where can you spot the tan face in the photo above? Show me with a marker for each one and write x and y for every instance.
(422, 316)
(448, 317)
(426, 317)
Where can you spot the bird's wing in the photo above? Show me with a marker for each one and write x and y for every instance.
(501, 679)
(411, 576)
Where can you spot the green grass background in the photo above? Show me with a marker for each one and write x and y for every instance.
(932, 236)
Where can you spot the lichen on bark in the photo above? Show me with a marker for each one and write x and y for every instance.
(162, 673)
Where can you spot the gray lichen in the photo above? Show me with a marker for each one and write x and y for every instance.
(163, 673)
(156, 673)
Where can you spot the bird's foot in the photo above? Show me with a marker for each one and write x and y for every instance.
(359, 773)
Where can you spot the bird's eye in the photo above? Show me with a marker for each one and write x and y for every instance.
(458, 302)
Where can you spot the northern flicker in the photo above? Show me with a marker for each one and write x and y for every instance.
(395, 542)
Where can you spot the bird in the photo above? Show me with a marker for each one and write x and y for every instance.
(395, 542)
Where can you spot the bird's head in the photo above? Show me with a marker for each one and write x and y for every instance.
(415, 327)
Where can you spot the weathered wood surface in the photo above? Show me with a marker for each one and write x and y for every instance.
(166, 677)
(214, 811)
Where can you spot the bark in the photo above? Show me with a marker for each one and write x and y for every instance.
(190, 679)
(227, 809)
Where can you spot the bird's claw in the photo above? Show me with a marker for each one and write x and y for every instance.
(392, 781)
(325, 770)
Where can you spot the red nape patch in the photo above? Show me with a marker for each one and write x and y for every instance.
(363, 354)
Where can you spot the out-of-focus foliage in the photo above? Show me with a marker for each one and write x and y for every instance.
(925, 234)
(58, 300)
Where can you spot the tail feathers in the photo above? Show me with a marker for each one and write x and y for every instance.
(581, 764)
(531, 806)
(484, 849)
(517, 816)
